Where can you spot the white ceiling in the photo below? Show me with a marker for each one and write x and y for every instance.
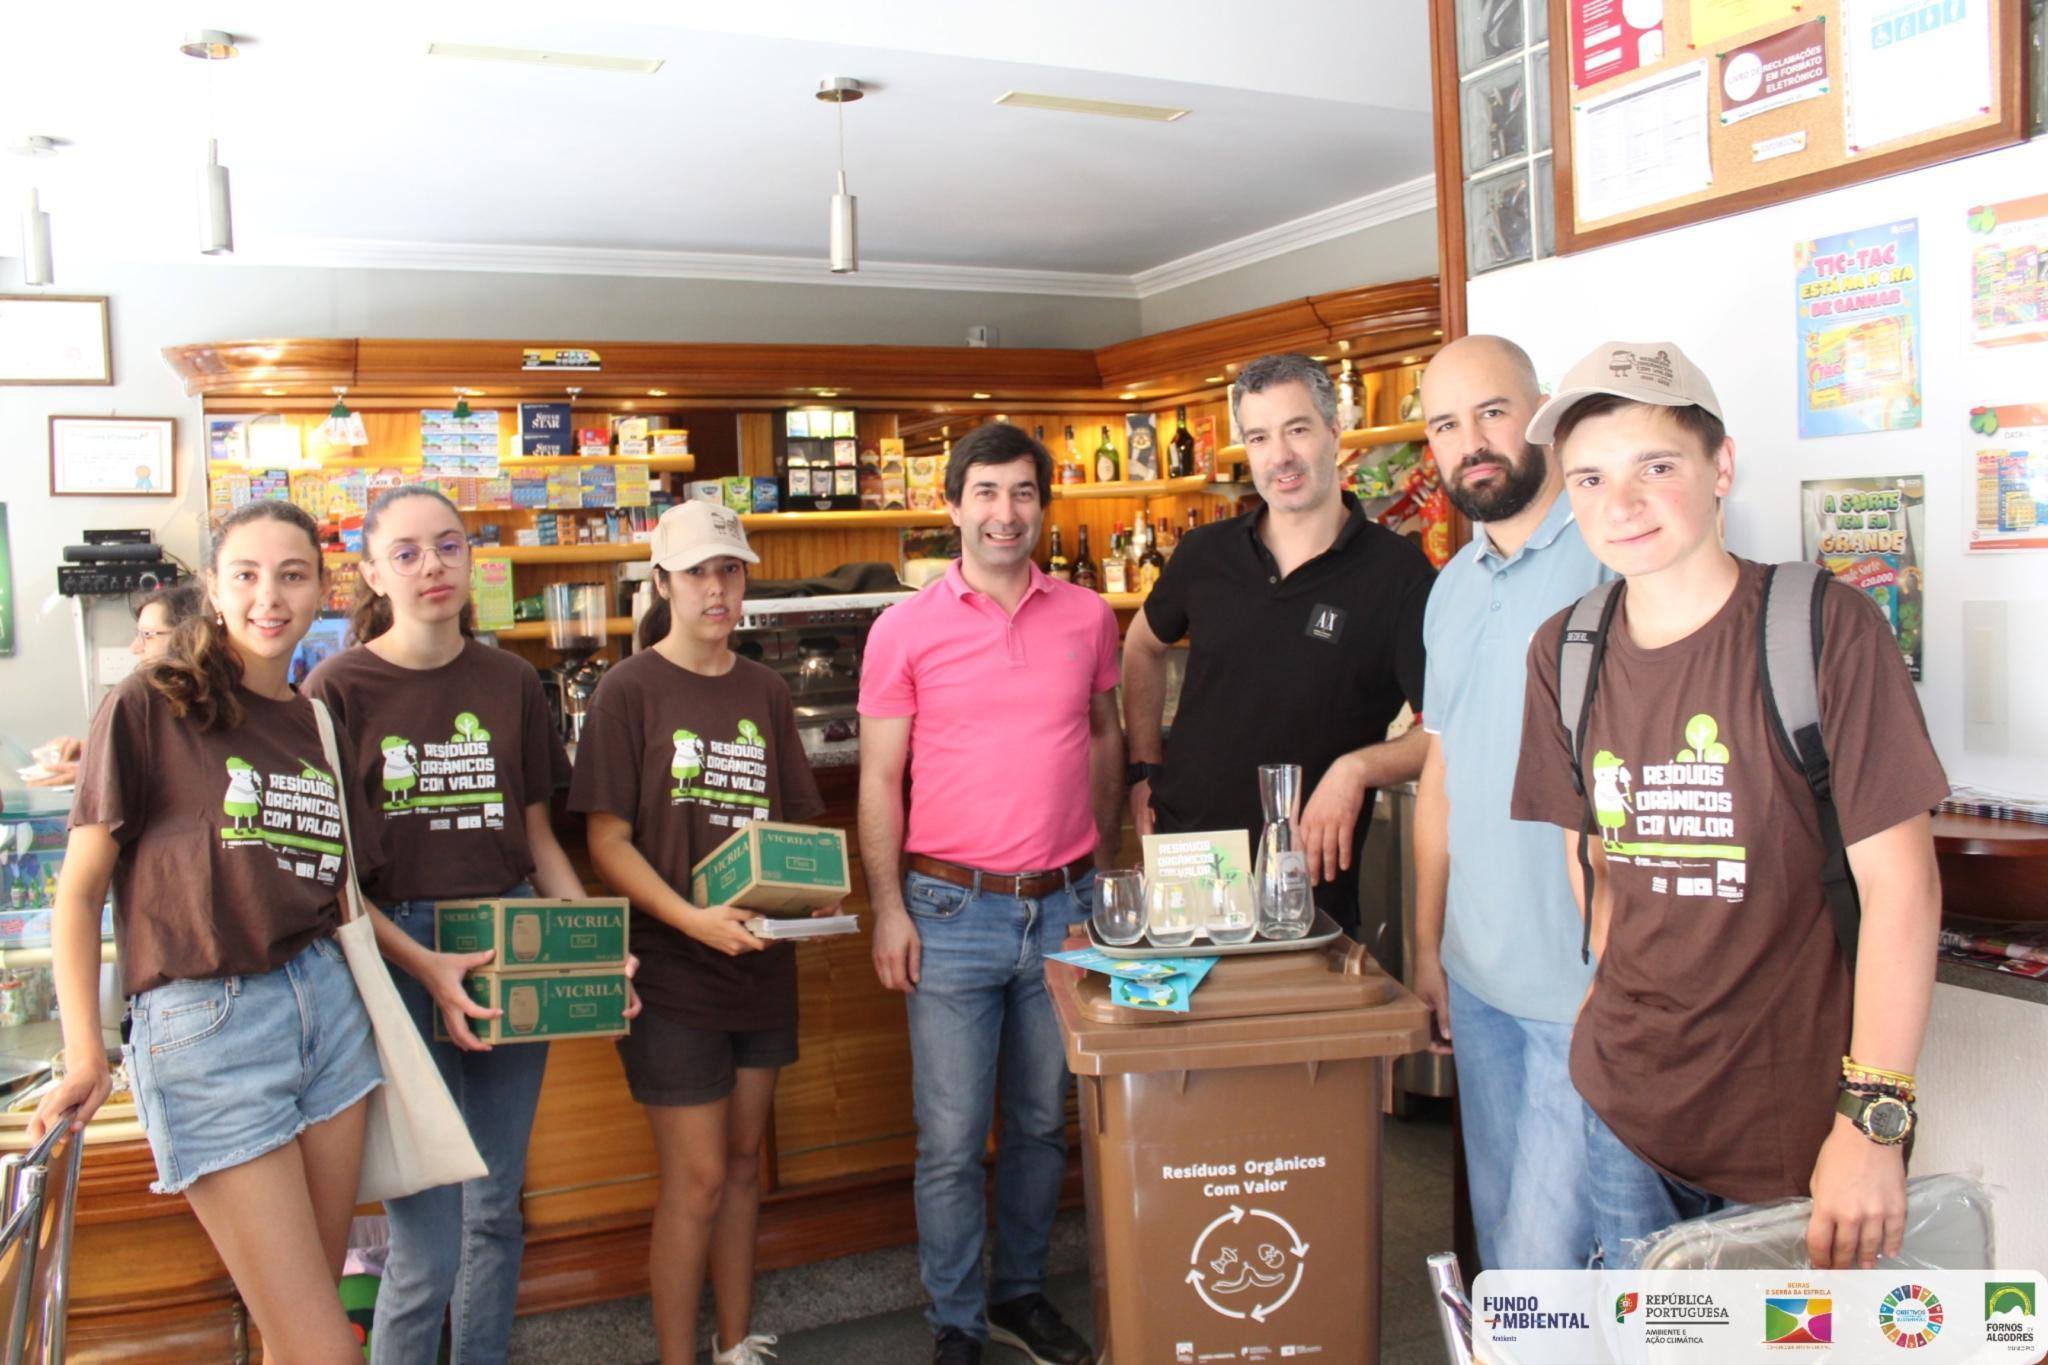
(347, 143)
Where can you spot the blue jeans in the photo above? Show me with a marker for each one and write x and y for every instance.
(458, 1246)
(981, 1009)
(1525, 1138)
(1632, 1200)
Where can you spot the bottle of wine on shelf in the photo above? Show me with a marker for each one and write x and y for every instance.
(1194, 518)
(1180, 456)
(1073, 468)
(1056, 562)
(1151, 563)
(1084, 567)
(1164, 537)
(1108, 467)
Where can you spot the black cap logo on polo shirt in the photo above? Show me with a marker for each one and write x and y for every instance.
(1325, 623)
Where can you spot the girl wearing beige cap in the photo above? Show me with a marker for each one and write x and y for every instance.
(684, 743)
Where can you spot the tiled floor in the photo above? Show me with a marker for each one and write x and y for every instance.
(868, 1310)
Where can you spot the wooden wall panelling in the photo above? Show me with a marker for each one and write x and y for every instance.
(757, 444)
(1450, 162)
(592, 1154)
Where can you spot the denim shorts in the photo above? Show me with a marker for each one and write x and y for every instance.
(229, 1068)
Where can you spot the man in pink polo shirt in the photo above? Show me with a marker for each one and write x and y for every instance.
(996, 687)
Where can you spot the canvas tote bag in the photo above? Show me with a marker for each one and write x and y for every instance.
(414, 1138)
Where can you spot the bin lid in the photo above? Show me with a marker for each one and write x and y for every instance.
(1331, 1003)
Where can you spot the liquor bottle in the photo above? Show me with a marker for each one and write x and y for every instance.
(1056, 562)
(1073, 468)
(1411, 405)
(1084, 567)
(1116, 569)
(1180, 456)
(1165, 538)
(1151, 563)
(1108, 468)
(1348, 411)
(1194, 519)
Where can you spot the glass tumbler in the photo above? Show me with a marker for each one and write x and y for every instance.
(1119, 908)
(1233, 914)
(1175, 909)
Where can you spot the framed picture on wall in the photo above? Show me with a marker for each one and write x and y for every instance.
(55, 339)
(113, 457)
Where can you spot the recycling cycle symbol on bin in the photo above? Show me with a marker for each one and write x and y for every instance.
(1247, 1263)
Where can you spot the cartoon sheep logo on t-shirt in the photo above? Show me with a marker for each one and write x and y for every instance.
(688, 761)
(1611, 806)
(241, 804)
(400, 773)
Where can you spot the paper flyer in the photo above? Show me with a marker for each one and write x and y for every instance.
(1912, 67)
(1867, 533)
(2008, 455)
(1613, 37)
(1772, 72)
(1858, 297)
(1713, 20)
(2009, 271)
(1642, 144)
(1223, 854)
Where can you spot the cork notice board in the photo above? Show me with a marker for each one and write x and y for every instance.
(1667, 112)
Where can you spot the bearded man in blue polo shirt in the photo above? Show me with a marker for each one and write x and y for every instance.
(1497, 954)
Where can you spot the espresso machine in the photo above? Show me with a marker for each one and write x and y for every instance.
(815, 641)
(575, 615)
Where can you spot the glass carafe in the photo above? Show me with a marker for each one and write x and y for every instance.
(1286, 908)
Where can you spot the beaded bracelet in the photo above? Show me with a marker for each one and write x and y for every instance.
(1856, 1070)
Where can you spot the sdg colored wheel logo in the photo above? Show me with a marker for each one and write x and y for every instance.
(1910, 1316)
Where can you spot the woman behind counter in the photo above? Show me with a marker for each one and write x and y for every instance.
(414, 684)
(720, 1015)
(248, 1047)
(156, 616)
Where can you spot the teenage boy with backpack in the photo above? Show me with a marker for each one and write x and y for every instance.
(1730, 799)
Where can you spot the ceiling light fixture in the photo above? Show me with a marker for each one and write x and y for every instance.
(1065, 104)
(657, 393)
(981, 395)
(839, 91)
(1213, 379)
(216, 213)
(585, 61)
(36, 267)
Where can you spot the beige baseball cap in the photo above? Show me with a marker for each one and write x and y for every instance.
(691, 532)
(1644, 371)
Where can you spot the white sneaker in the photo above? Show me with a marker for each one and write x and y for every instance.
(752, 1351)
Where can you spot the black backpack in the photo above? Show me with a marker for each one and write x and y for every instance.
(1788, 654)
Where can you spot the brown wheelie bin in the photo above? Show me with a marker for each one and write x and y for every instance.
(1232, 1156)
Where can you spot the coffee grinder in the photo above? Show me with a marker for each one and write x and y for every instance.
(575, 614)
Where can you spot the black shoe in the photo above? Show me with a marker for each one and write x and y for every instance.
(1032, 1325)
(955, 1347)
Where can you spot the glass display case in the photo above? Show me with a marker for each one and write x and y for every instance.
(32, 837)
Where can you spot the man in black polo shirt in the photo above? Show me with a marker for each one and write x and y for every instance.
(1304, 623)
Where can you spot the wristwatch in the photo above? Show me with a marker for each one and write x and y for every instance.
(1143, 772)
(1884, 1119)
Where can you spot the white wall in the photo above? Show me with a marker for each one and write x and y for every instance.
(152, 307)
(1723, 292)
(1404, 249)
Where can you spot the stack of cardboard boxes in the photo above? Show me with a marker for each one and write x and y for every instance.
(560, 969)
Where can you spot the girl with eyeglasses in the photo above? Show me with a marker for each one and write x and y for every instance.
(206, 802)
(454, 755)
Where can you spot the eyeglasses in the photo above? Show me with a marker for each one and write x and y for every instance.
(150, 636)
(407, 560)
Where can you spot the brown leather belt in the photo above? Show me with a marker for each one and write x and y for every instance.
(1022, 885)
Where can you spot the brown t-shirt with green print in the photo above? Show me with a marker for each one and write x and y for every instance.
(687, 759)
(1713, 1037)
(230, 840)
(446, 760)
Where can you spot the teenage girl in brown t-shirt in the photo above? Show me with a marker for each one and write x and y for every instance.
(414, 683)
(207, 803)
(707, 1083)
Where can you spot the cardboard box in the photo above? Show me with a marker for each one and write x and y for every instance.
(774, 868)
(539, 1006)
(528, 933)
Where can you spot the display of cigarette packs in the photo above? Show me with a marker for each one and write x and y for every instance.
(671, 441)
(593, 441)
(775, 868)
(528, 933)
(568, 1002)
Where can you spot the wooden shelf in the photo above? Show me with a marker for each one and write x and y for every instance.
(821, 521)
(562, 554)
(538, 630)
(1362, 438)
(1149, 488)
(656, 464)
